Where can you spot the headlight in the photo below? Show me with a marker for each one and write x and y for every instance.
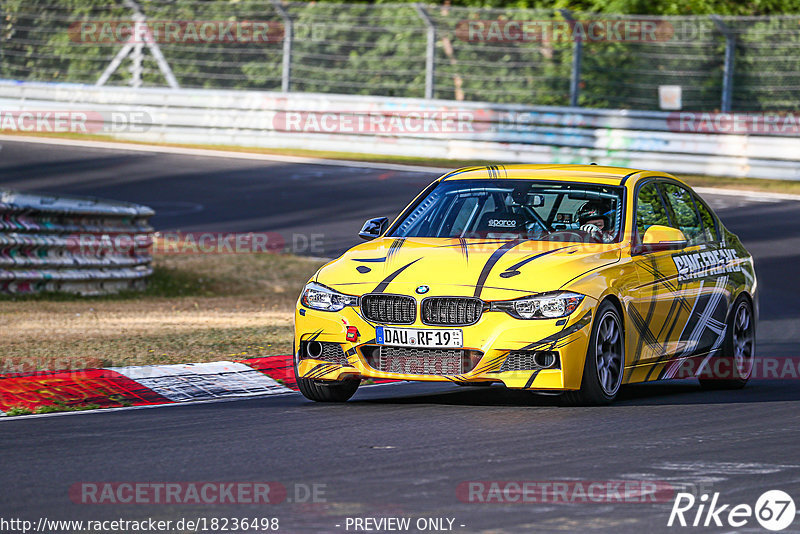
(318, 297)
(544, 306)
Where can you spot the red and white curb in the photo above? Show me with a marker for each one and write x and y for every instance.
(200, 381)
(116, 387)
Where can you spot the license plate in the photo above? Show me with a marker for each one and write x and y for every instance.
(418, 337)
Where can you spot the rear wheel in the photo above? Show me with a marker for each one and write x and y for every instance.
(605, 361)
(732, 368)
(325, 391)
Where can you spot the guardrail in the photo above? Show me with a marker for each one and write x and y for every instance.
(481, 131)
(75, 245)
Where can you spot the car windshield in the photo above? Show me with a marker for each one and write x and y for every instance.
(527, 209)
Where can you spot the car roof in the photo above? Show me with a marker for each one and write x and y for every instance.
(595, 174)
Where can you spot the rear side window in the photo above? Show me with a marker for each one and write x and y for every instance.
(649, 209)
(709, 223)
(685, 216)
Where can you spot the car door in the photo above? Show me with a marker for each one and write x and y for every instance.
(663, 301)
(701, 271)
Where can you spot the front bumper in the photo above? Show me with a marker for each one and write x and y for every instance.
(495, 335)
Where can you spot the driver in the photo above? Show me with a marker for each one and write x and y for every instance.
(595, 219)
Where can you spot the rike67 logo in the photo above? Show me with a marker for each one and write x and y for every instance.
(774, 510)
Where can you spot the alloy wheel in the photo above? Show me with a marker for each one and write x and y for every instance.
(609, 354)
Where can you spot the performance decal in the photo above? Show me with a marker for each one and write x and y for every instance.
(705, 263)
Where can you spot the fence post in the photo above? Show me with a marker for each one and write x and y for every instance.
(140, 32)
(288, 36)
(727, 69)
(577, 55)
(136, 66)
(430, 51)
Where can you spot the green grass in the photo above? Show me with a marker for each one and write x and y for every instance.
(52, 408)
(203, 276)
(746, 184)
(197, 309)
(18, 410)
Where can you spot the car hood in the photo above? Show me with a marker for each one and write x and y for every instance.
(486, 268)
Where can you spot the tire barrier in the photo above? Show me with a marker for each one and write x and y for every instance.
(76, 245)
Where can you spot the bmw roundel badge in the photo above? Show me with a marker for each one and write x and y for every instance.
(423, 289)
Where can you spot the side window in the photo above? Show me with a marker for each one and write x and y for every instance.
(649, 209)
(685, 216)
(709, 223)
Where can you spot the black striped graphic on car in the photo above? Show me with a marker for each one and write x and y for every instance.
(492, 261)
(380, 288)
(550, 340)
(394, 248)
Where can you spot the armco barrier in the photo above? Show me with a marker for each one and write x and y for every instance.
(70, 244)
(496, 132)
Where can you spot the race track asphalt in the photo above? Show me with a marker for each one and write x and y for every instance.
(400, 449)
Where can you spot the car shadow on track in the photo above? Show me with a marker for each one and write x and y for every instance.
(684, 392)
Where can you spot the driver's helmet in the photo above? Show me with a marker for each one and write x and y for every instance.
(596, 209)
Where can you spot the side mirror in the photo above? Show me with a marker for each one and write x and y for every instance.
(373, 228)
(659, 237)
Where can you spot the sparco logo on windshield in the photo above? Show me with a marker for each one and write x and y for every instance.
(502, 223)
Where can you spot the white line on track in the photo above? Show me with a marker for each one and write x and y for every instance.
(186, 151)
(221, 154)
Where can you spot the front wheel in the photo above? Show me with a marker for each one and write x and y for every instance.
(605, 361)
(732, 368)
(324, 391)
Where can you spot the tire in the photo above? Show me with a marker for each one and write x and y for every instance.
(605, 361)
(738, 350)
(325, 391)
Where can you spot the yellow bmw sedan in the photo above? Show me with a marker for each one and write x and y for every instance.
(562, 279)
